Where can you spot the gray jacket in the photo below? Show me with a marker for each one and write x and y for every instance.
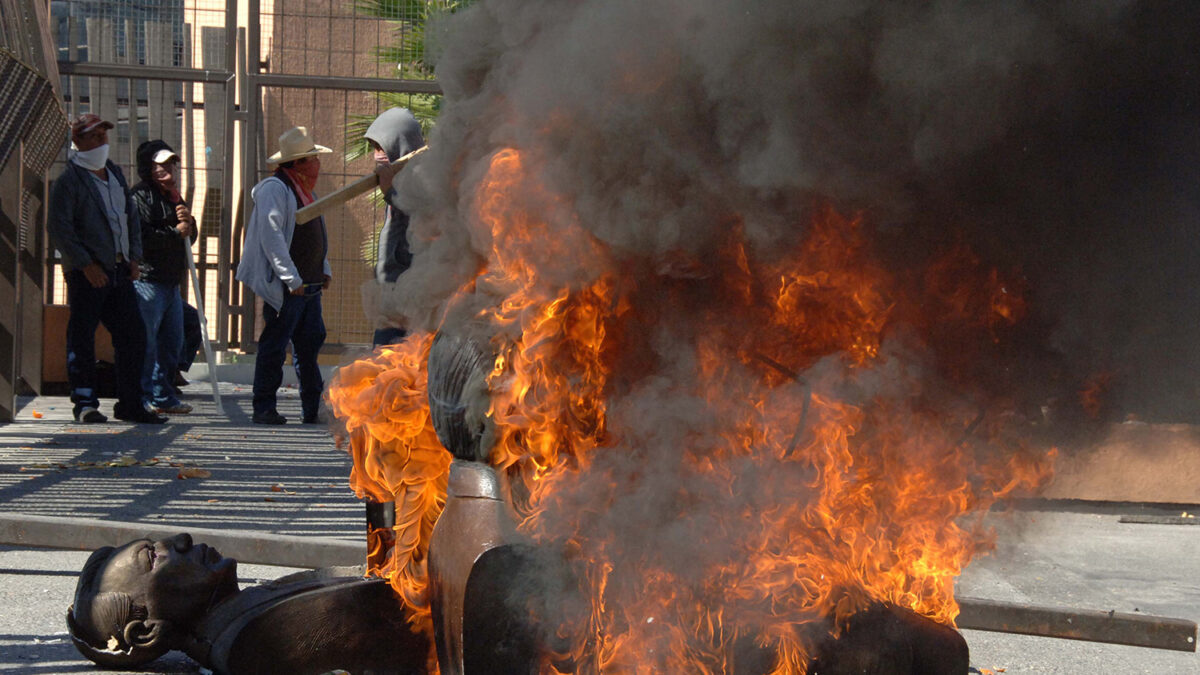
(266, 260)
(398, 133)
(78, 226)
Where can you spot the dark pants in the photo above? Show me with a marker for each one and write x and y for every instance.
(115, 305)
(191, 337)
(299, 322)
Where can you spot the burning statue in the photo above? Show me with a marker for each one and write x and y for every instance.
(503, 604)
(499, 601)
(727, 463)
(137, 602)
(707, 372)
(733, 297)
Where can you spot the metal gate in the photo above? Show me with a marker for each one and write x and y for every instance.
(220, 90)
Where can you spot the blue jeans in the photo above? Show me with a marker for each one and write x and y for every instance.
(162, 314)
(115, 305)
(299, 322)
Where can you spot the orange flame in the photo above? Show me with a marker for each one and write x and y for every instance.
(547, 385)
(819, 478)
(969, 292)
(397, 457)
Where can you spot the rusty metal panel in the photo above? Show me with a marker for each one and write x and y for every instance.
(24, 33)
(32, 129)
(29, 107)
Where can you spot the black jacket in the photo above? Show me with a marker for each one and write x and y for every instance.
(77, 223)
(162, 246)
(163, 251)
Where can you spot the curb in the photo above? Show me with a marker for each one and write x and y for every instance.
(260, 548)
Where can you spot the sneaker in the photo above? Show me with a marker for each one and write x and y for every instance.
(179, 380)
(176, 409)
(269, 417)
(314, 419)
(139, 415)
(90, 415)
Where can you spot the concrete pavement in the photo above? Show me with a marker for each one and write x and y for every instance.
(202, 471)
(198, 470)
(210, 471)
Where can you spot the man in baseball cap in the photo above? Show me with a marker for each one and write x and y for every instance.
(86, 123)
(95, 226)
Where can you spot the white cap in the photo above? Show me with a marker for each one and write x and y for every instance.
(162, 156)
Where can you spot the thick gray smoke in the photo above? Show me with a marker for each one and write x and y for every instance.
(1058, 140)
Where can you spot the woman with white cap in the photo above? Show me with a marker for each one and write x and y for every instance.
(166, 221)
(287, 265)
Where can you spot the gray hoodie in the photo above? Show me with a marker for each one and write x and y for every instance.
(398, 133)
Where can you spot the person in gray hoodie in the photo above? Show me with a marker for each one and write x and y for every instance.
(392, 135)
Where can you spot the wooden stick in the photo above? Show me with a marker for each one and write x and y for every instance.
(208, 350)
(358, 187)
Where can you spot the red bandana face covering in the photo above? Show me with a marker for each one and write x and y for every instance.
(304, 174)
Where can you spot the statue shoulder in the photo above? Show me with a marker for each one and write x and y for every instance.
(312, 622)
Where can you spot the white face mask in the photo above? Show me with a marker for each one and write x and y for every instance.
(93, 159)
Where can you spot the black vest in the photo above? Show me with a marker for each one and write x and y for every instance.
(310, 244)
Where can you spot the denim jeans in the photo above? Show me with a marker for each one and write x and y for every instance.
(115, 305)
(162, 314)
(299, 322)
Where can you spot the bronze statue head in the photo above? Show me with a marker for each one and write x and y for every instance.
(137, 602)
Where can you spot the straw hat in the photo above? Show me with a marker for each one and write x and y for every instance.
(294, 144)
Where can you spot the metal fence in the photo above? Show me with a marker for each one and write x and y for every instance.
(32, 126)
(221, 93)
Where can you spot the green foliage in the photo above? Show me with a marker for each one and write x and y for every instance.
(408, 50)
(410, 18)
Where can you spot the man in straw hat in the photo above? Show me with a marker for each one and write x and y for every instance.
(287, 266)
(94, 225)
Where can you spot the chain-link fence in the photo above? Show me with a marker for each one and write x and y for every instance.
(323, 65)
(179, 70)
(158, 70)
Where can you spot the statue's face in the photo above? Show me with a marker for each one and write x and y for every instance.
(175, 580)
